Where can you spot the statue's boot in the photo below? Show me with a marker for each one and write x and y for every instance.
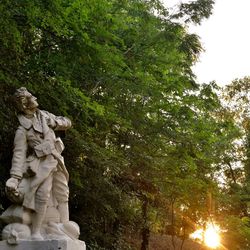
(38, 220)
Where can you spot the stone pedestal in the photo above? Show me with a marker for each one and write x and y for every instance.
(44, 245)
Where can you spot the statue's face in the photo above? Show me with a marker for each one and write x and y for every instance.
(31, 106)
(32, 102)
(25, 101)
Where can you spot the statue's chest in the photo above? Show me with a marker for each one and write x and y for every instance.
(34, 137)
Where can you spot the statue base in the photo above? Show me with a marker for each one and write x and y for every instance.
(44, 245)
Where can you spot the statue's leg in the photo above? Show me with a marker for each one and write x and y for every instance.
(60, 190)
(41, 202)
(63, 209)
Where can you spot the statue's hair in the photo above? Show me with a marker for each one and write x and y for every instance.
(21, 97)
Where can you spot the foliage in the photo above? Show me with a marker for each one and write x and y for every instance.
(237, 236)
(195, 11)
(235, 204)
(146, 138)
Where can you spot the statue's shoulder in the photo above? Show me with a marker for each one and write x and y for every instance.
(20, 132)
(24, 122)
(45, 113)
(20, 128)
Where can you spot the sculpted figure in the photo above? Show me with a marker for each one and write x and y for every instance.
(38, 185)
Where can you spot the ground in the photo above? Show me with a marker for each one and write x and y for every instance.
(165, 242)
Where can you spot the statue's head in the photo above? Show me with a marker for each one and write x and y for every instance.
(25, 101)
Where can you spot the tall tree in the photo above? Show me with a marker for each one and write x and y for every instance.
(235, 203)
(144, 132)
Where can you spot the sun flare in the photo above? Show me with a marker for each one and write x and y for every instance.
(197, 235)
(210, 236)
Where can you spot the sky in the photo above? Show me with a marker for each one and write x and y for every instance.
(225, 36)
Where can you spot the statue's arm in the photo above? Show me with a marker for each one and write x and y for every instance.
(19, 153)
(18, 160)
(57, 122)
(62, 123)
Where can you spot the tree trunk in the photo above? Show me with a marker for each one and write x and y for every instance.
(145, 230)
(173, 224)
(184, 233)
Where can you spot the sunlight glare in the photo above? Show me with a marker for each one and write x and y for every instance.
(197, 235)
(211, 236)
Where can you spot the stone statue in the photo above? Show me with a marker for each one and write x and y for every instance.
(38, 186)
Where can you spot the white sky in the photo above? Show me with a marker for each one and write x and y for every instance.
(225, 36)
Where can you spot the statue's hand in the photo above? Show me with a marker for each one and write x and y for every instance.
(12, 184)
(12, 190)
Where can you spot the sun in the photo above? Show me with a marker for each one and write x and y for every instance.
(210, 236)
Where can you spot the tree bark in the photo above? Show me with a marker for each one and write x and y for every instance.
(173, 224)
(145, 230)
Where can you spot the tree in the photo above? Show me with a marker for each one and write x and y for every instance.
(144, 132)
(236, 170)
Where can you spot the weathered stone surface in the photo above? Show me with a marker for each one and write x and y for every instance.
(44, 245)
(38, 183)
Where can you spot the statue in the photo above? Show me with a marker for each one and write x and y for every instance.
(38, 186)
